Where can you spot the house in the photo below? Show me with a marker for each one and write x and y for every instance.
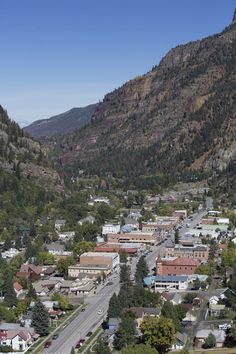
(18, 289)
(216, 309)
(203, 334)
(180, 341)
(10, 253)
(29, 271)
(176, 266)
(189, 319)
(88, 220)
(144, 312)
(177, 299)
(66, 235)
(113, 323)
(59, 224)
(46, 287)
(19, 338)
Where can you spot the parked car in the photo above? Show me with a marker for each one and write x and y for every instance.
(48, 344)
(83, 309)
(55, 336)
(100, 312)
(89, 334)
(109, 283)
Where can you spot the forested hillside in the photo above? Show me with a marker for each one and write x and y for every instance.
(180, 116)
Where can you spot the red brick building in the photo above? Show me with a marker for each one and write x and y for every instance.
(177, 266)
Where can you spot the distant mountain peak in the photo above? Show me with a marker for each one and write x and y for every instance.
(234, 17)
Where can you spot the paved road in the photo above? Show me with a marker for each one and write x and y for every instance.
(86, 321)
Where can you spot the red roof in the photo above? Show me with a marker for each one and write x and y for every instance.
(182, 261)
(17, 286)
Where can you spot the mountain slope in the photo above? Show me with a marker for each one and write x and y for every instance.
(24, 157)
(181, 115)
(63, 123)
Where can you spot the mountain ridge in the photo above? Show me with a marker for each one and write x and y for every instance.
(176, 116)
(63, 123)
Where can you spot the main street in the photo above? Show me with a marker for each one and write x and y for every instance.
(85, 321)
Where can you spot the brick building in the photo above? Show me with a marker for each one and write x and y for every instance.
(176, 266)
(100, 259)
(199, 252)
(139, 237)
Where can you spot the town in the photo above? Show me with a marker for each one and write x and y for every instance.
(136, 265)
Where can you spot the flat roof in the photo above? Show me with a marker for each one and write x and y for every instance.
(100, 254)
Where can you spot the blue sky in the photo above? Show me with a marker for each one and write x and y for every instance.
(59, 54)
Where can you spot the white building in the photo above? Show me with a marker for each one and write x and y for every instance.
(167, 282)
(12, 252)
(110, 229)
(59, 224)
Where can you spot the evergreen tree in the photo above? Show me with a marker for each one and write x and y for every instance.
(40, 319)
(141, 270)
(101, 348)
(114, 309)
(9, 292)
(18, 244)
(31, 292)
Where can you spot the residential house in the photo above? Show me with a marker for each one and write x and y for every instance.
(144, 312)
(17, 337)
(177, 299)
(180, 341)
(216, 309)
(110, 229)
(46, 287)
(113, 323)
(88, 220)
(203, 334)
(18, 289)
(59, 224)
(29, 271)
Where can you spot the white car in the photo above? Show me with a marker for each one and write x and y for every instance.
(100, 312)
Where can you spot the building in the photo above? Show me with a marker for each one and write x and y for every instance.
(29, 271)
(92, 271)
(131, 249)
(167, 282)
(100, 258)
(176, 266)
(88, 220)
(17, 337)
(180, 214)
(199, 252)
(18, 289)
(180, 341)
(165, 223)
(140, 237)
(202, 335)
(110, 229)
(12, 252)
(59, 224)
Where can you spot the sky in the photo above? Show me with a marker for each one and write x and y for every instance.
(59, 54)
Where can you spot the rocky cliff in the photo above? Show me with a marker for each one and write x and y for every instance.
(179, 116)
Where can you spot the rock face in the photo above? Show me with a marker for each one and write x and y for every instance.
(18, 152)
(180, 115)
(63, 123)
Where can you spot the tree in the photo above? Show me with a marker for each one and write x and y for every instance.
(72, 350)
(139, 349)
(9, 292)
(125, 277)
(114, 309)
(141, 270)
(125, 334)
(210, 341)
(174, 312)
(231, 337)
(45, 258)
(123, 256)
(63, 264)
(31, 292)
(159, 333)
(82, 247)
(40, 319)
(176, 236)
(101, 348)
(63, 302)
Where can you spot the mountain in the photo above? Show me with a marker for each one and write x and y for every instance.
(63, 123)
(180, 116)
(23, 157)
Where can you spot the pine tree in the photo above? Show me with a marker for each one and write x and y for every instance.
(9, 292)
(40, 319)
(31, 292)
(72, 350)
